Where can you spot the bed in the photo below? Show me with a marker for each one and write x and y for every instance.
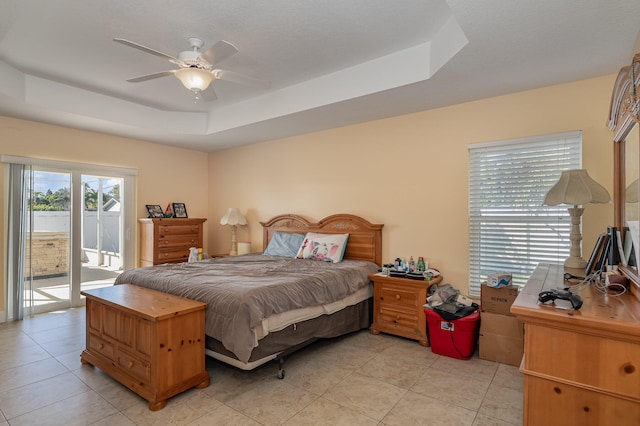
(263, 307)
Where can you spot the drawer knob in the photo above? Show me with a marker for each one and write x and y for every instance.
(397, 317)
(629, 368)
(130, 364)
(100, 345)
(557, 390)
(397, 296)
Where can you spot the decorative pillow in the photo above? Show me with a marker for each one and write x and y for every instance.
(284, 244)
(326, 247)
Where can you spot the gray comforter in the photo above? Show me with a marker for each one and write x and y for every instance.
(241, 291)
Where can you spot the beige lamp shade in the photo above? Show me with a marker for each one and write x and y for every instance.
(576, 187)
(233, 217)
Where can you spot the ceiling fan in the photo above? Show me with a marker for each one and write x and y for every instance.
(196, 69)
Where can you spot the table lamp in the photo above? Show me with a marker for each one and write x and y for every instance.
(234, 218)
(576, 187)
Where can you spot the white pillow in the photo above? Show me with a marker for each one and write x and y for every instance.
(325, 247)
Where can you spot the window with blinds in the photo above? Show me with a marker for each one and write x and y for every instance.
(509, 228)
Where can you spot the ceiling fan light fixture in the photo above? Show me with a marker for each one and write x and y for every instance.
(195, 78)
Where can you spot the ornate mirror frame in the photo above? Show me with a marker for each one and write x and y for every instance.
(624, 116)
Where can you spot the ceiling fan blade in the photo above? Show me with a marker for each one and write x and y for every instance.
(235, 77)
(219, 52)
(209, 94)
(151, 76)
(147, 49)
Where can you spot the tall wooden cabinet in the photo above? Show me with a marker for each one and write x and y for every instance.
(167, 240)
(580, 367)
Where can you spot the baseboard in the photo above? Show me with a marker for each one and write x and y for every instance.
(3, 317)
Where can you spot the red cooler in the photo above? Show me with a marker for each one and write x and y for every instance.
(457, 338)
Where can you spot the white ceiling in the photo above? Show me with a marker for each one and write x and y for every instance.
(330, 62)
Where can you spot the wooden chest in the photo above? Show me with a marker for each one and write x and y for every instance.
(151, 342)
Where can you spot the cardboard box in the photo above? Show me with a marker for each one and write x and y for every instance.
(497, 300)
(501, 338)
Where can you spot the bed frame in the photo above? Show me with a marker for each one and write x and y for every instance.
(365, 243)
(365, 238)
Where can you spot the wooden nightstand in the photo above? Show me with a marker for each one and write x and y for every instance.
(398, 306)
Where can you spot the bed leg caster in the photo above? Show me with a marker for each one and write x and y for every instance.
(281, 372)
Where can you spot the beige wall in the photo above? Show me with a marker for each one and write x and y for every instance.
(165, 174)
(409, 172)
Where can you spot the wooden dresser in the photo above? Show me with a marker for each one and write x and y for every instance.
(580, 367)
(151, 342)
(167, 240)
(398, 306)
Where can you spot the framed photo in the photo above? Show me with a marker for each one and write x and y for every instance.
(179, 210)
(154, 210)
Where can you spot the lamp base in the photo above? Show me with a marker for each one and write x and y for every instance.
(575, 262)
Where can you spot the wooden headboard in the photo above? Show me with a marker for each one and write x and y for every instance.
(365, 238)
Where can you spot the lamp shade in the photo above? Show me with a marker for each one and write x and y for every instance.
(195, 78)
(631, 193)
(576, 187)
(233, 217)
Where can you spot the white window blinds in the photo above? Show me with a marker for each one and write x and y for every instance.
(509, 228)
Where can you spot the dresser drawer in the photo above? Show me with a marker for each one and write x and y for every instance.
(552, 403)
(134, 366)
(172, 242)
(178, 230)
(607, 364)
(102, 347)
(399, 296)
(173, 256)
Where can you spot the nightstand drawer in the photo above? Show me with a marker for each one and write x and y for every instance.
(398, 316)
(400, 296)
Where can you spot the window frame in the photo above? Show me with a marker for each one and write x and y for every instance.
(507, 183)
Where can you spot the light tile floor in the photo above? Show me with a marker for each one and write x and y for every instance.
(360, 379)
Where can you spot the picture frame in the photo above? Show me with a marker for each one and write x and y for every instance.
(155, 211)
(179, 210)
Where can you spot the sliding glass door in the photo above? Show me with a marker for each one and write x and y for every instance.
(47, 243)
(70, 230)
(102, 231)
